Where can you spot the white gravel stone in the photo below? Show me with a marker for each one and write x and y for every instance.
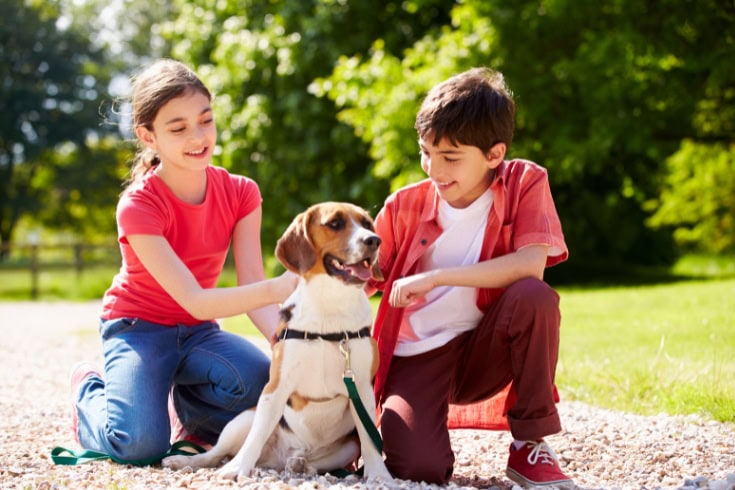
(599, 449)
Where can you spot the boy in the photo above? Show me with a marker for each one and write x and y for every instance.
(466, 318)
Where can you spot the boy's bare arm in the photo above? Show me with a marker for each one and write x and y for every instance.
(499, 272)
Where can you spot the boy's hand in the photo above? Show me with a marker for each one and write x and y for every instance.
(408, 289)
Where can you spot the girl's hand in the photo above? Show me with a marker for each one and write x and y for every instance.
(284, 285)
(281, 287)
(408, 289)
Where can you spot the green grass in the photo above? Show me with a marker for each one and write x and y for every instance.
(57, 284)
(666, 347)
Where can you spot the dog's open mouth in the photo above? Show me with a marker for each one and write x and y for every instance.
(359, 272)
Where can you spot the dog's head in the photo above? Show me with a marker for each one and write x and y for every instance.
(333, 238)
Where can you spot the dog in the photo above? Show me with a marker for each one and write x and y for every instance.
(304, 420)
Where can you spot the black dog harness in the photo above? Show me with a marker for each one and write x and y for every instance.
(348, 376)
(332, 337)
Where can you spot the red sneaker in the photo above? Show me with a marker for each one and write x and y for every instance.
(536, 465)
(177, 428)
(80, 372)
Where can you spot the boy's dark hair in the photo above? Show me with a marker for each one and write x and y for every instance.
(473, 108)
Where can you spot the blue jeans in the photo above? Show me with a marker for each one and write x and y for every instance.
(215, 375)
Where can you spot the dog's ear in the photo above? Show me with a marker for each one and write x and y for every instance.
(294, 249)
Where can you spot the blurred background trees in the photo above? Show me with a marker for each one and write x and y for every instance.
(629, 105)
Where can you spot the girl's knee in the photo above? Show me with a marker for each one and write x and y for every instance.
(134, 432)
(128, 448)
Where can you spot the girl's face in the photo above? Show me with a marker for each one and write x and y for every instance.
(184, 132)
(460, 173)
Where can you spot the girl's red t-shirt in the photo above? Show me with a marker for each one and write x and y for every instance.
(200, 234)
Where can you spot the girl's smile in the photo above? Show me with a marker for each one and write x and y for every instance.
(184, 133)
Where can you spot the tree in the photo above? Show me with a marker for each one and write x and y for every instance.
(49, 95)
(698, 197)
(260, 59)
(81, 187)
(606, 91)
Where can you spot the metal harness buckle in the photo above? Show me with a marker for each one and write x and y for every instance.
(344, 348)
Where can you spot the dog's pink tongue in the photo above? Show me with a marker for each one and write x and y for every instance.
(359, 270)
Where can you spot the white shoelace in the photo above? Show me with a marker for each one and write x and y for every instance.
(541, 451)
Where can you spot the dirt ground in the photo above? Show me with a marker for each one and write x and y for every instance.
(598, 448)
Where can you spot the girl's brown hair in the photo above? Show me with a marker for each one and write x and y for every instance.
(152, 88)
(473, 108)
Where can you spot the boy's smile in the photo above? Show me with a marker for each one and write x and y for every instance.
(461, 173)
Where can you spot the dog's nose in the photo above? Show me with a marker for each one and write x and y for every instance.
(372, 241)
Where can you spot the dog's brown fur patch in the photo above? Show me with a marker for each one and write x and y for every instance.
(275, 370)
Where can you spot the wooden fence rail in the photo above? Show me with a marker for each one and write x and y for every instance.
(37, 257)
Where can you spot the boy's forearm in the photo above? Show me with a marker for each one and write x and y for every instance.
(498, 272)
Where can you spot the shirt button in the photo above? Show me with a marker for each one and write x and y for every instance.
(423, 241)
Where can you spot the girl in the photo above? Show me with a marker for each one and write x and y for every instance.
(176, 220)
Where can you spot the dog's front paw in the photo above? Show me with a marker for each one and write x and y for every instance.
(385, 478)
(234, 471)
(229, 471)
(378, 472)
(176, 462)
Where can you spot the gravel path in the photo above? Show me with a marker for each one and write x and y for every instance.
(599, 448)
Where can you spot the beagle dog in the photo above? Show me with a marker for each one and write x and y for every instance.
(304, 420)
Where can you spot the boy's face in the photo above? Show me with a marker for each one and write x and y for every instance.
(460, 173)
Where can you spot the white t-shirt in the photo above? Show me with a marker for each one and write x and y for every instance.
(447, 311)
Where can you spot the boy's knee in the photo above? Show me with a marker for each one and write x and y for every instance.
(535, 293)
(414, 458)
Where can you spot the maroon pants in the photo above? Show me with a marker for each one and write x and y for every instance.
(518, 340)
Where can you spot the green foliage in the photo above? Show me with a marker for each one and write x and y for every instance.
(698, 197)
(260, 59)
(51, 89)
(81, 187)
(604, 96)
(379, 96)
(613, 98)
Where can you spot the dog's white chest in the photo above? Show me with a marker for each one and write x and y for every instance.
(315, 367)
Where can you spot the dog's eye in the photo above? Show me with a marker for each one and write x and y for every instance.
(336, 224)
(366, 223)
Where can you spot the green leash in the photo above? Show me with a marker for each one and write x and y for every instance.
(63, 456)
(349, 379)
(362, 413)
